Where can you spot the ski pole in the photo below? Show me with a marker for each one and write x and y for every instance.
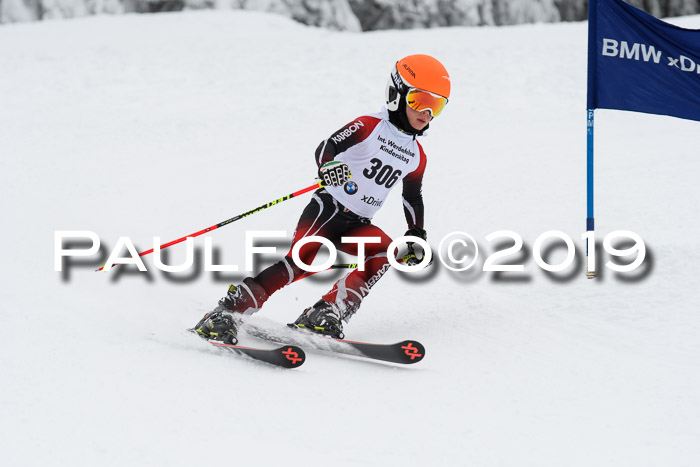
(336, 266)
(403, 259)
(233, 219)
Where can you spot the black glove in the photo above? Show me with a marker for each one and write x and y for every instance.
(416, 231)
(334, 173)
(410, 258)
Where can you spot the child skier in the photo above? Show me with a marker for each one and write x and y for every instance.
(379, 150)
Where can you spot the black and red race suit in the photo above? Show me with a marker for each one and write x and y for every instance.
(379, 156)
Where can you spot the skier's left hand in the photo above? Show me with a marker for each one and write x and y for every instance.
(410, 258)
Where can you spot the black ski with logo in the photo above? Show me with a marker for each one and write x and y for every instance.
(404, 352)
(286, 356)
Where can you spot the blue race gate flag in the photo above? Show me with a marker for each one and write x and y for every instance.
(638, 62)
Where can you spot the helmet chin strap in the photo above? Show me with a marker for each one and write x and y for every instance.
(400, 120)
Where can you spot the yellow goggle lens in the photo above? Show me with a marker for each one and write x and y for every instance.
(420, 100)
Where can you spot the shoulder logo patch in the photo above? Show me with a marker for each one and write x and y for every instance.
(350, 129)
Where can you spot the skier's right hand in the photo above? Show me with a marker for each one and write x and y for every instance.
(334, 173)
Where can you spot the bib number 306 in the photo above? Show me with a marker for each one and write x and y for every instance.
(382, 174)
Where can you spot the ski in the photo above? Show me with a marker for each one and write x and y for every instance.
(404, 352)
(287, 356)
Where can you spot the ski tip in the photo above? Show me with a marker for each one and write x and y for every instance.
(411, 351)
(291, 356)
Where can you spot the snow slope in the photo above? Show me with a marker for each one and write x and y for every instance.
(161, 125)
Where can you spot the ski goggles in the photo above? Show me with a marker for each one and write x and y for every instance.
(420, 100)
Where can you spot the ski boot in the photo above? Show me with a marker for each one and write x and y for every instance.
(248, 296)
(219, 325)
(222, 324)
(322, 318)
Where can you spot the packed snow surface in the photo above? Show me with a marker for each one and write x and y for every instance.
(163, 125)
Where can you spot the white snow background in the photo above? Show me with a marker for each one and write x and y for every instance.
(161, 125)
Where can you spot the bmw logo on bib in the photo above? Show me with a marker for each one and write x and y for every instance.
(351, 188)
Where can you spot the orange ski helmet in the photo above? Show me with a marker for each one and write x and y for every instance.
(417, 72)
